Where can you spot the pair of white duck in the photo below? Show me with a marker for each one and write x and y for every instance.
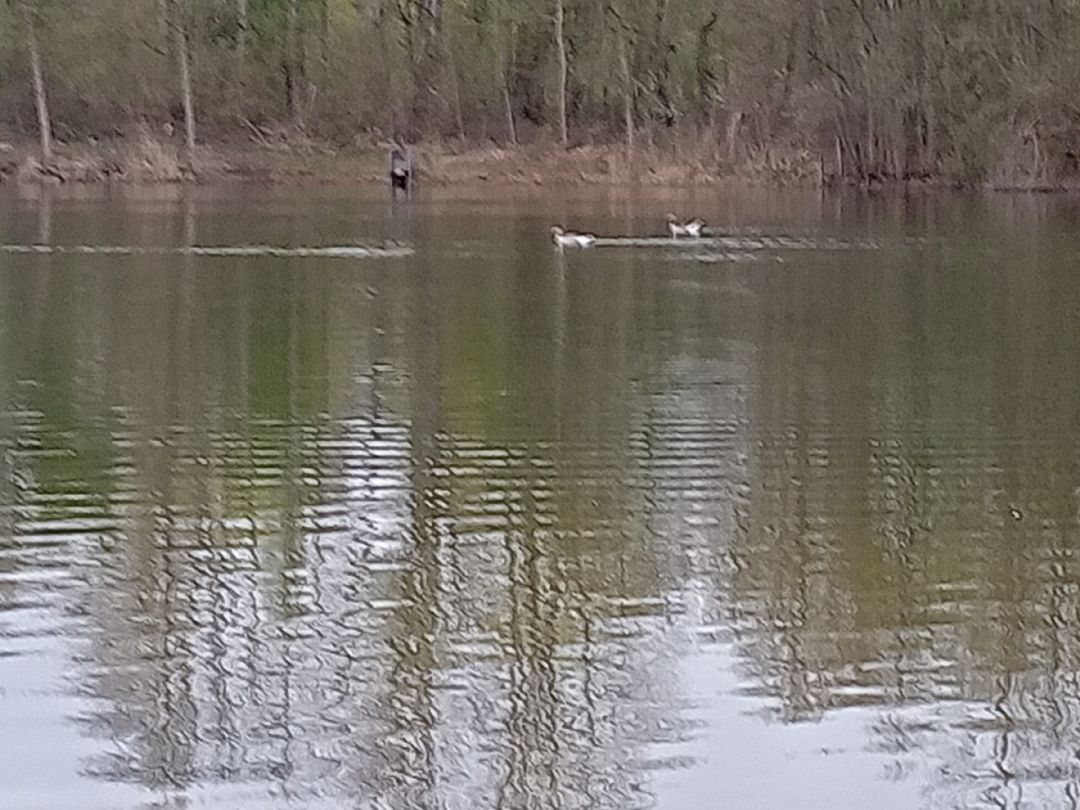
(691, 228)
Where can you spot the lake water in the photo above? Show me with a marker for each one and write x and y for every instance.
(788, 519)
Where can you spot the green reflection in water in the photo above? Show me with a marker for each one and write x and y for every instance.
(454, 529)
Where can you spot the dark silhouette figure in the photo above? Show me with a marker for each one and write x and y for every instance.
(401, 169)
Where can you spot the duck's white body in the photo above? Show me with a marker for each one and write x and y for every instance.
(564, 239)
(691, 228)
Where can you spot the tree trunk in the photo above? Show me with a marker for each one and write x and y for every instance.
(427, 63)
(507, 58)
(292, 63)
(871, 136)
(628, 95)
(734, 121)
(457, 99)
(41, 100)
(511, 127)
(183, 58)
(1036, 145)
(390, 97)
(704, 77)
(324, 37)
(560, 42)
(241, 29)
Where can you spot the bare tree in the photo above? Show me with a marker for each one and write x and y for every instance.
(324, 36)
(241, 29)
(41, 99)
(623, 33)
(508, 103)
(427, 61)
(560, 44)
(868, 89)
(293, 64)
(182, 45)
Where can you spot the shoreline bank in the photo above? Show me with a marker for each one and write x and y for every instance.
(147, 162)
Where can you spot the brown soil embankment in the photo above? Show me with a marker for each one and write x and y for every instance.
(143, 160)
(149, 161)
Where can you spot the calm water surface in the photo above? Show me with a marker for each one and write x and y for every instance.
(761, 524)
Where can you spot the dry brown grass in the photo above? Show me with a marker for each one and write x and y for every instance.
(699, 161)
(144, 158)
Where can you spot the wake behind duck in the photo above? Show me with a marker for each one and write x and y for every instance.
(565, 239)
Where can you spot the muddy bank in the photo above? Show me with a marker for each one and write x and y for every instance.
(149, 161)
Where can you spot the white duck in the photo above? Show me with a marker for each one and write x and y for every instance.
(563, 238)
(690, 227)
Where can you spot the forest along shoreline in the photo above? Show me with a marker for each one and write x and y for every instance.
(146, 160)
(667, 92)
